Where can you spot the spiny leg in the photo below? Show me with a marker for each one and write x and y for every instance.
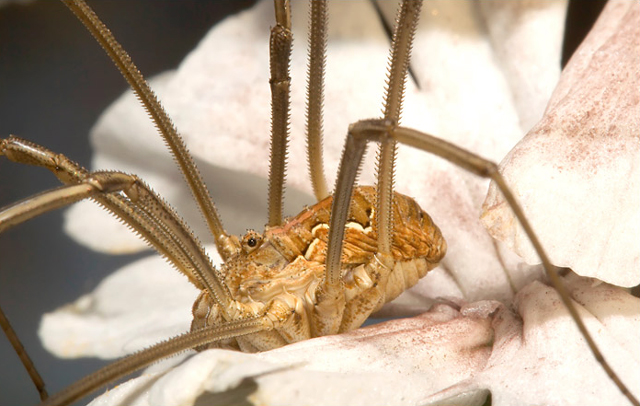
(43, 202)
(378, 130)
(279, 60)
(227, 245)
(141, 209)
(49, 200)
(276, 314)
(98, 182)
(330, 293)
(29, 208)
(406, 23)
(315, 95)
(400, 55)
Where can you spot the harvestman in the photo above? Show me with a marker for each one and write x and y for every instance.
(330, 311)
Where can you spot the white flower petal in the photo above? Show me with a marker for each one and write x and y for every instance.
(355, 368)
(548, 361)
(526, 38)
(444, 356)
(139, 305)
(577, 173)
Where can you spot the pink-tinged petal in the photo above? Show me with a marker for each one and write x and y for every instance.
(393, 363)
(455, 354)
(539, 356)
(577, 173)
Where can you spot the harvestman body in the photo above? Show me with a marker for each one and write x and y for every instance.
(322, 272)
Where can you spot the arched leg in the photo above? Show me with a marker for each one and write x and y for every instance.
(379, 130)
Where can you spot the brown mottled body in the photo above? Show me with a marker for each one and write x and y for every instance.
(283, 268)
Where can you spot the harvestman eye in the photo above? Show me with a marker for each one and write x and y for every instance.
(251, 241)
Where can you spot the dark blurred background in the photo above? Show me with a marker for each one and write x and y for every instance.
(54, 82)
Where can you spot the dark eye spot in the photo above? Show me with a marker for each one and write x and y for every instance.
(252, 242)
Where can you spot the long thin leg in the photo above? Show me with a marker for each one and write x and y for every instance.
(279, 59)
(141, 359)
(98, 182)
(330, 294)
(315, 95)
(378, 130)
(355, 146)
(22, 354)
(49, 200)
(406, 23)
(227, 245)
(141, 209)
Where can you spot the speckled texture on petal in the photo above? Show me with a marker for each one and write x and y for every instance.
(443, 357)
(577, 173)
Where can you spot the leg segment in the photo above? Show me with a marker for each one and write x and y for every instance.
(315, 99)
(22, 354)
(276, 314)
(280, 55)
(33, 206)
(407, 21)
(330, 295)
